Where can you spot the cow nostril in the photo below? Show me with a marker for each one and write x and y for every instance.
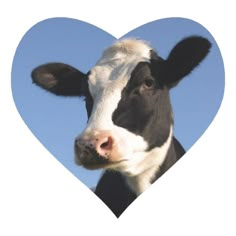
(104, 145)
(107, 144)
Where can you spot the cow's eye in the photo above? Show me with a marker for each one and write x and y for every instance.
(148, 83)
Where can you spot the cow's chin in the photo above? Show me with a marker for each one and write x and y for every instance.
(94, 162)
(93, 165)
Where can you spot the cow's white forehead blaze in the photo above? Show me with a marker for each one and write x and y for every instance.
(126, 48)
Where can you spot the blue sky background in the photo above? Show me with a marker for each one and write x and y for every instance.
(56, 121)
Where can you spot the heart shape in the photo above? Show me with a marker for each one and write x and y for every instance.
(56, 121)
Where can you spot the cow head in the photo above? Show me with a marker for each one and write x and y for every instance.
(127, 100)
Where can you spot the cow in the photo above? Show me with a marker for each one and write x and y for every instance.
(129, 132)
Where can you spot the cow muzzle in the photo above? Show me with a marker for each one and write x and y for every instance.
(96, 149)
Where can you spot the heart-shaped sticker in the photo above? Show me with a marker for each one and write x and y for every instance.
(149, 97)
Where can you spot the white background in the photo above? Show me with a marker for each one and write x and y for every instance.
(40, 197)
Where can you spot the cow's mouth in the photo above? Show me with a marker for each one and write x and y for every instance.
(91, 160)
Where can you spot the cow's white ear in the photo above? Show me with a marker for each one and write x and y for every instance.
(184, 57)
(60, 79)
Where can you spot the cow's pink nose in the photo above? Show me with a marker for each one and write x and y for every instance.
(101, 143)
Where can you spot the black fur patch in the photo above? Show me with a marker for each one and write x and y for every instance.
(145, 111)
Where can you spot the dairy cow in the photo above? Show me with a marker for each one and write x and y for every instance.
(129, 131)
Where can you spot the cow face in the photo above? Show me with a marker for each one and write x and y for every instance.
(127, 100)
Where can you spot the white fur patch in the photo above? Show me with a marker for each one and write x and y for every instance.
(140, 169)
(126, 48)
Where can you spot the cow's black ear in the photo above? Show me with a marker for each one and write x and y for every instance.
(183, 58)
(60, 79)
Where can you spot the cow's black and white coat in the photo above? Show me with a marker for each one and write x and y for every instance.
(130, 122)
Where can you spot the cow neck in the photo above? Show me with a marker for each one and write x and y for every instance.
(144, 170)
